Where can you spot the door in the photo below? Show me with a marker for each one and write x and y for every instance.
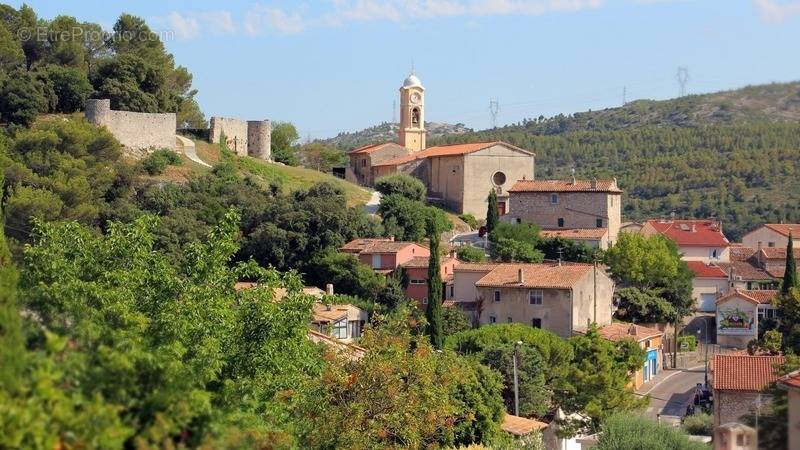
(646, 371)
(501, 208)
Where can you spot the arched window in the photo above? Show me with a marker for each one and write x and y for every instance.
(415, 117)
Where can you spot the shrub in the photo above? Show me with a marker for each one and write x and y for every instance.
(469, 253)
(631, 432)
(700, 424)
(470, 220)
(159, 160)
(403, 184)
(687, 343)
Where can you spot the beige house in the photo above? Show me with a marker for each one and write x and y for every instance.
(738, 382)
(360, 169)
(465, 294)
(649, 340)
(739, 313)
(570, 208)
(342, 322)
(697, 240)
(556, 297)
(710, 282)
(791, 383)
(771, 235)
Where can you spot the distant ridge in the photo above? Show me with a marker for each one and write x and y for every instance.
(387, 132)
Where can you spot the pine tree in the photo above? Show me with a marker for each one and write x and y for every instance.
(492, 214)
(790, 275)
(434, 310)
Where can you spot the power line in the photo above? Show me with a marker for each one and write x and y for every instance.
(494, 109)
(683, 78)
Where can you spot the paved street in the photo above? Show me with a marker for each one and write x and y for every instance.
(671, 392)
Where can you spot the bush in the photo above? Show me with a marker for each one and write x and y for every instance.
(687, 343)
(631, 432)
(403, 184)
(470, 220)
(469, 253)
(700, 424)
(159, 160)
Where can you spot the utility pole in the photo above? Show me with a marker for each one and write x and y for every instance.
(516, 379)
(683, 78)
(595, 287)
(494, 109)
(624, 95)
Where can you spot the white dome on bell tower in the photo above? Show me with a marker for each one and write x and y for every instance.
(412, 81)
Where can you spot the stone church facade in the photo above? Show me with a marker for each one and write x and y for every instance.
(459, 177)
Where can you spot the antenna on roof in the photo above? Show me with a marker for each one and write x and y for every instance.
(573, 175)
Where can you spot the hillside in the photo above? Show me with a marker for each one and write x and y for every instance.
(388, 132)
(731, 155)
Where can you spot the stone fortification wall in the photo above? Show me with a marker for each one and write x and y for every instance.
(139, 131)
(243, 137)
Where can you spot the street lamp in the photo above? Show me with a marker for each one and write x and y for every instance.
(516, 379)
(705, 325)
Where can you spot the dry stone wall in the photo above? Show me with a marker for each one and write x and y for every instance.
(243, 137)
(134, 130)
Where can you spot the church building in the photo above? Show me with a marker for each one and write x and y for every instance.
(459, 176)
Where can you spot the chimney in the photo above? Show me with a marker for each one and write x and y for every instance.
(758, 255)
(523, 177)
(594, 182)
(694, 228)
(520, 276)
(391, 238)
(632, 330)
(573, 175)
(329, 289)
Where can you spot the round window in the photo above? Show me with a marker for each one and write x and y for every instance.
(499, 178)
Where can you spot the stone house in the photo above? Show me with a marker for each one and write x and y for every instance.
(739, 313)
(461, 176)
(465, 294)
(738, 382)
(710, 281)
(559, 298)
(384, 255)
(697, 240)
(791, 383)
(362, 160)
(771, 235)
(591, 237)
(734, 436)
(343, 322)
(649, 339)
(416, 270)
(773, 260)
(559, 206)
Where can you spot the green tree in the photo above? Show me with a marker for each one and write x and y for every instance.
(492, 212)
(433, 312)
(406, 219)
(790, 274)
(11, 54)
(469, 253)
(349, 276)
(534, 395)
(321, 157)
(70, 86)
(402, 184)
(454, 321)
(22, 98)
(283, 138)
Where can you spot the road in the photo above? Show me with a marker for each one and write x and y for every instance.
(189, 150)
(671, 392)
(374, 202)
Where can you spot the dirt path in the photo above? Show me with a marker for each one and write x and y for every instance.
(188, 149)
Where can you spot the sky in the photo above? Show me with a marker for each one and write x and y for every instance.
(330, 66)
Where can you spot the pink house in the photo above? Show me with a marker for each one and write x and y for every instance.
(384, 255)
(417, 274)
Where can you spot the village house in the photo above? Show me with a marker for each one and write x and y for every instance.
(738, 314)
(343, 322)
(697, 240)
(744, 272)
(384, 255)
(791, 383)
(588, 211)
(710, 281)
(555, 297)
(738, 382)
(771, 235)
(773, 261)
(458, 177)
(465, 294)
(649, 339)
(416, 272)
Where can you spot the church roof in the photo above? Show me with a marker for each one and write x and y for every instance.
(448, 150)
(565, 186)
(369, 148)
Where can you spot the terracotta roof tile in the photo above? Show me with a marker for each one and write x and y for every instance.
(576, 233)
(744, 269)
(790, 380)
(330, 313)
(565, 186)
(784, 228)
(446, 150)
(357, 245)
(691, 232)
(475, 267)
(776, 253)
(741, 253)
(368, 246)
(703, 270)
(421, 262)
(551, 276)
(521, 426)
(745, 372)
(618, 331)
(763, 296)
(370, 148)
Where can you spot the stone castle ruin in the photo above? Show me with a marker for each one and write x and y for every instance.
(134, 130)
(245, 138)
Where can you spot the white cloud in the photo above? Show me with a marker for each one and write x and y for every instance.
(185, 27)
(773, 11)
(260, 19)
(220, 22)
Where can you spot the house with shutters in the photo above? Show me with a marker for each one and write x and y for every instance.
(416, 273)
(558, 297)
(384, 255)
(710, 281)
(589, 211)
(739, 313)
(697, 240)
(648, 339)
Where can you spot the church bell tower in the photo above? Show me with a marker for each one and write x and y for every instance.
(412, 114)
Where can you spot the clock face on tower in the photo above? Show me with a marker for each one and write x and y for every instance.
(415, 98)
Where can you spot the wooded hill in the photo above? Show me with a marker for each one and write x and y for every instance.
(731, 155)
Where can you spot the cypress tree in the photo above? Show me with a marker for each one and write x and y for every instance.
(433, 312)
(790, 275)
(492, 214)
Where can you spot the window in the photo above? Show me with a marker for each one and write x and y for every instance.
(536, 296)
(424, 300)
(519, 221)
(770, 244)
(499, 178)
(560, 222)
(509, 319)
(363, 163)
(417, 281)
(340, 329)
(452, 291)
(376, 261)
(492, 319)
(536, 322)
(496, 296)
(713, 253)
(415, 117)
(599, 223)
(553, 199)
(355, 328)
(612, 201)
